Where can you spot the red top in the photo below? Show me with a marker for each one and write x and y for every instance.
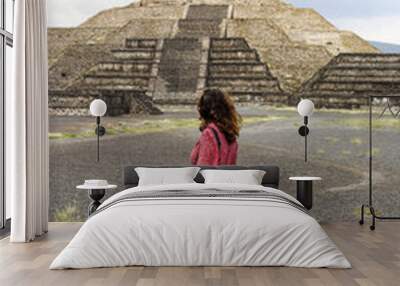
(206, 151)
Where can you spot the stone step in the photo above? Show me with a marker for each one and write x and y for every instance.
(356, 86)
(361, 79)
(210, 12)
(126, 82)
(198, 28)
(248, 90)
(124, 66)
(242, 68)
(239, 74)
(134, 54)
(236, 62)
(117, 74)
(239, 82)
(141, 43)
(239, 55)
(229, 44)
(363, 72)
(113, 86)
(367, 65)
(232, 62)
(244, 77)
(369, 58)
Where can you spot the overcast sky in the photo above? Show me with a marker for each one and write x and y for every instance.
(377, 20)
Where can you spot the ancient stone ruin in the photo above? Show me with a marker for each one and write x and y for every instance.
(349, 79)
(156, 52)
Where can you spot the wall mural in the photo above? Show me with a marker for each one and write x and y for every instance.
(150, 60)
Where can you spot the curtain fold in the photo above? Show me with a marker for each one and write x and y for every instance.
(27, 124)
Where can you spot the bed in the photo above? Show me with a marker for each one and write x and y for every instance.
(197, 224)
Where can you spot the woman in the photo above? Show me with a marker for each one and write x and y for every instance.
(220, 126)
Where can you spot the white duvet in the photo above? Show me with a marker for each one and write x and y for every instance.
(200, 231)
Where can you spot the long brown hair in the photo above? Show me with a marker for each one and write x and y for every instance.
(217, 107)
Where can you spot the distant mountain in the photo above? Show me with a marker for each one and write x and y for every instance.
(386, 47)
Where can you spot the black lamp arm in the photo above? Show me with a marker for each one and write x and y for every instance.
(100, 131)
(304, 131)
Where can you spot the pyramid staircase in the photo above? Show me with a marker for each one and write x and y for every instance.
(126, 81)
(235, 67)
(178, 71)
(202, 21)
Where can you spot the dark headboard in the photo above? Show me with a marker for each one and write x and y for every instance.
(271, 177)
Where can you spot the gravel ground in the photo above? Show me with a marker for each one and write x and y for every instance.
(338, 152)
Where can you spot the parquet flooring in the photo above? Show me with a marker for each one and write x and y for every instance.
(375, 257)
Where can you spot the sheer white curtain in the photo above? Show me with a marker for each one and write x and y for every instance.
(27, 144)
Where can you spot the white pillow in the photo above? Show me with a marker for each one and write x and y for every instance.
(165, 176)
(248, 177)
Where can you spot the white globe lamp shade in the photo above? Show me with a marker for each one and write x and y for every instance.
(98, 107)
(305, 107)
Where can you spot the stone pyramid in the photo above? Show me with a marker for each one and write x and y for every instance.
(168, 51)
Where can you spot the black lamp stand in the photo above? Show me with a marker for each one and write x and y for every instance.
(304, 131)
(100, 131)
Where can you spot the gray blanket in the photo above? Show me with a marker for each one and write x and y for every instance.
(205, 194)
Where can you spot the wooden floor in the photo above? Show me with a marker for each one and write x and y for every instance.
(375, 257)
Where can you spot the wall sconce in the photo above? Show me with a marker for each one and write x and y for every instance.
(98, 109)
(305, 108)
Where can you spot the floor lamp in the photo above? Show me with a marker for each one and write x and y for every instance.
(98, 109)
(305, 108)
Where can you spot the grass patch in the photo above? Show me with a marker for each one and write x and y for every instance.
(375, 152)
(332, 140)
(60, 135)
(68, 213)
(153, 126)
(356, 141)
(346, 152)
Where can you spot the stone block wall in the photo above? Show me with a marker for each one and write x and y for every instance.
(294, 64)
(143, 29)
(119, 17)
(247, 11)
(61, 38)
(74, 62)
